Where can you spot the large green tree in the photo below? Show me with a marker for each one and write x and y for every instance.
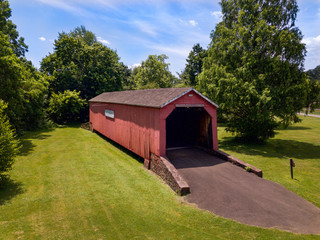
(153, 73)
(194, 65)
(254, 68)
(81, 63)
(21, 85)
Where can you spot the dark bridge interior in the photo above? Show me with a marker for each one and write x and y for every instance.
(188, 127)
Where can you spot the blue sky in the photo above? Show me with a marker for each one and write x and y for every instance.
(138, 28)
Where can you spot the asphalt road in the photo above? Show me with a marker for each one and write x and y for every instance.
(232, 192)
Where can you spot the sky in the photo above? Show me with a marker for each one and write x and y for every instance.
(137, 28)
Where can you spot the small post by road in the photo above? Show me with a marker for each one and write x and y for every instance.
(292, 165)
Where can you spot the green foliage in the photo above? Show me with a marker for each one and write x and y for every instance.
(194, 65)
(8, 28)
(153, 73)
(66, 107)
(126, 77)
(254, 68)
(86, 36)
(8, 142)
(22, 87)
(313, 97)
(314, 74)
(80, 63)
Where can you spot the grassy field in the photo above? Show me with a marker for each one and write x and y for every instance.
(69, 183)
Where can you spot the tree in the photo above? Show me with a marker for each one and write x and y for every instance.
(313, 96)
(8, 142)
(66, 107)
(21, 87)
(8, 28)
(80, 63)
(84, 35)
(194, 65)
(153, 73)
(254, 68)
(314, 74)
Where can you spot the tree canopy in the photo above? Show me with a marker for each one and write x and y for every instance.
(8, 28)
(314, 74)
(153, 73)
(81, 63)
(254, 68)
(313, 97)
(22, 88)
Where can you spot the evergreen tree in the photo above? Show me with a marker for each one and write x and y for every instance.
(194, 65)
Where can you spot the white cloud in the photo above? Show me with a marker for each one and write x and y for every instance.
(42, 39)
(312, 43)
(176, 50)
(134, 66)
(217, 14)
(313, 51)
(100, 39)
(193, 23)
(145, 27)
(59, 4)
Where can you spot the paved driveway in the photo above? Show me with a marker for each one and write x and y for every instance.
(231, 192)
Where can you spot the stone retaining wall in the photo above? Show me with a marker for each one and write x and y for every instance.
(162, 167)
(238, 162)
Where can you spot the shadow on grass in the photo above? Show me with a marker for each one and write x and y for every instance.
(9, 189)
(272, 148)
(294, 128)
(26, 145)
(123, 149)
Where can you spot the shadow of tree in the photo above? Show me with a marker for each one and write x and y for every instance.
(295, 128)
(273, 148)
(9, 189)
(26, 145)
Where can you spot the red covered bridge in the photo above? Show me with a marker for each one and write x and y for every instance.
(153, 120)
(149, 122)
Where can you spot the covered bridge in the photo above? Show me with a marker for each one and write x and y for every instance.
(150, 121)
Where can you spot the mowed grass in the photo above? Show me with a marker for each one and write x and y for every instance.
(69, 183)
(301, 142)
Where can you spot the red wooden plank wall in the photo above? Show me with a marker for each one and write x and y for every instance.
(136, 128)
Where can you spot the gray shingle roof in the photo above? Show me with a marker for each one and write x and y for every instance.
(157, 98)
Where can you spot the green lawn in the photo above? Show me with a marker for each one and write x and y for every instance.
(69, 183)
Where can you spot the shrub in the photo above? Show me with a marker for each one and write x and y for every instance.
(66, 107)
(8, 142)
